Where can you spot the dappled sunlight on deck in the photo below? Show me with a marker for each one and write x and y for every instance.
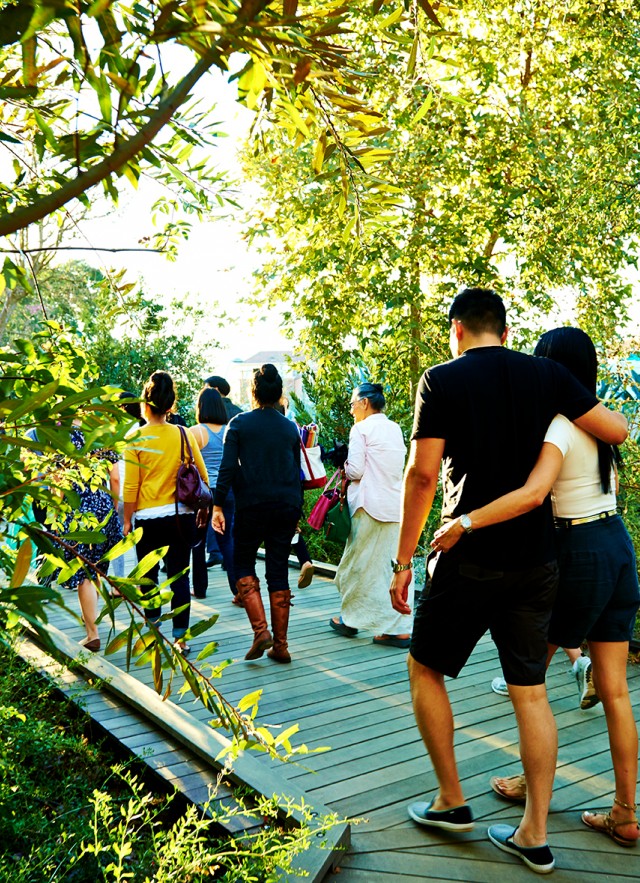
(353, 696)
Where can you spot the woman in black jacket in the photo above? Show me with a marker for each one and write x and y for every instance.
(261, 462)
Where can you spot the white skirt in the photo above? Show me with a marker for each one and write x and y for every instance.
(364, 577)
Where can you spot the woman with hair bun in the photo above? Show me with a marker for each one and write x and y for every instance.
(151, 467)
(374, 466)
(261, 463)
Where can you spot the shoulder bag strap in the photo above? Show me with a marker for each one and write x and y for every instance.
(306, 457)
(184, 440)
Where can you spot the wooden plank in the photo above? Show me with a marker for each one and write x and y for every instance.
(354, 696)
(207, 743)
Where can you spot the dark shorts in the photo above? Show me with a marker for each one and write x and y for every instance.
(464, 601)
(598, 594)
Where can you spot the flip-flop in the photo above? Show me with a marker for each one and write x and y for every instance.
(345, 630)
(392, 641)
(519, 782)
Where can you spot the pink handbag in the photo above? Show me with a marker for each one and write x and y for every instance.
(325, 501)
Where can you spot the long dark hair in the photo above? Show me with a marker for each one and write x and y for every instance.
(574, 349)
(210, 407)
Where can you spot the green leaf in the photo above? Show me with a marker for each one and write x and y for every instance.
(413, 55)
(393, 18)
(211, 647)
(157, 671)
(118, 642)
(286, 735)
(429, 11)
(46, 130)
(103, 91)
(85, 536)
(251, 700)
(23, 562)
(9, 138)
(32, 402)
(149, 561)
(294, 113)
(424, 107)
(203, 625)
(123, 546)
(68, 571)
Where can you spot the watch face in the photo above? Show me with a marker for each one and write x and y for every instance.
(465, 521)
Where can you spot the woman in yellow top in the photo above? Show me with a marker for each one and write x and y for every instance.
(151, 467)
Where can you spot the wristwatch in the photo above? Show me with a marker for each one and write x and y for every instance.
(465, 521)
(400, 568)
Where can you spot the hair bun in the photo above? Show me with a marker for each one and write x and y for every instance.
(269, 372)
(159, 392)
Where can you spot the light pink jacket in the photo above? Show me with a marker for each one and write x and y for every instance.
(375, 466)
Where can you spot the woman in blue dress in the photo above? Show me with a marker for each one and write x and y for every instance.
(96, 501)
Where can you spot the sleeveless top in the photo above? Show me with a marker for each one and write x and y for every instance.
(212, 454)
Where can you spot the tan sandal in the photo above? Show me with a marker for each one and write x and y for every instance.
(609, 824)
(517, 785)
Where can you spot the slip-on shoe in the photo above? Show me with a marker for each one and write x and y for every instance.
(460, 818)
(538, 858)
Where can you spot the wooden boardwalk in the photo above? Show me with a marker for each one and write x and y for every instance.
(353, 696)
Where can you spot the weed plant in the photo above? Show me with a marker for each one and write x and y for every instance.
(72, 812)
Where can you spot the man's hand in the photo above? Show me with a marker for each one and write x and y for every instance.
(447, 536)
(400, 591)
(217, 519)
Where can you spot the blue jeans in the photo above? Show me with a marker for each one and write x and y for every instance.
(273, 524)
(225, 544)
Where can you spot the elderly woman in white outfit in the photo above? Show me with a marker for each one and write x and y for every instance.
(374, 467)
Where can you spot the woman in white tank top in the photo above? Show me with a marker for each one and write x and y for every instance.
(598, 595)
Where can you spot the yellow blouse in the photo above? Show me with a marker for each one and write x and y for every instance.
(151, 465)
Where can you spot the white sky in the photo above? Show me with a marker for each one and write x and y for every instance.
(213, 266)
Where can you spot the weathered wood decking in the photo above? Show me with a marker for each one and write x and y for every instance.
(353, 696)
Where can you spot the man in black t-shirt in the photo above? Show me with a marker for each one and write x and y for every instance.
(483, 416)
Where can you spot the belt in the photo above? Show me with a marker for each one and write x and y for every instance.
(571, 522)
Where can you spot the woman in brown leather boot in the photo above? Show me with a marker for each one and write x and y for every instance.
(261, 463)
(280, 604)
(249, 591)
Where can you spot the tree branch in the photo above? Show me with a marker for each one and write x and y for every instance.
(75, 248)
(491, 242)
(29, 214)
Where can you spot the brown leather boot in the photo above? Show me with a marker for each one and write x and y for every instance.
(249, 591)
(280, 603)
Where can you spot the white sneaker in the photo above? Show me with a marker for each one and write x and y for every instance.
(499, 686)
(584, 677)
